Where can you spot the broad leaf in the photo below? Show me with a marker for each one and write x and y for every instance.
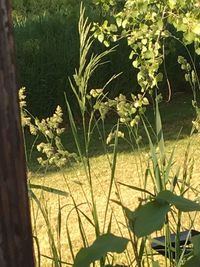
(179, 202)
(102, 245)
(189, 37)
(149, 218)
(192, 262)
(113, 28)
(196, 245)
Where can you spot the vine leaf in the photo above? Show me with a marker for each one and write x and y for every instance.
(101, 246)
(181, 203)
(150, 217)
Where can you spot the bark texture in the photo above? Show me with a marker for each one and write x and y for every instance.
(16, 247)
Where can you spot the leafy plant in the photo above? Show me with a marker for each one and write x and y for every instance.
(148, 27)
(163, 207)
(101, 246)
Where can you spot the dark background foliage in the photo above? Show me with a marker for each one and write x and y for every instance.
(47, 46)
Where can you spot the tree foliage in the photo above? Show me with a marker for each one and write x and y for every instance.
(148, 25)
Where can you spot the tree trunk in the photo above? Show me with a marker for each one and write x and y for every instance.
(16, 247)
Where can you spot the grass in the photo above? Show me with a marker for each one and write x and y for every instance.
(177, 115)
(95, 189)
(127, 172)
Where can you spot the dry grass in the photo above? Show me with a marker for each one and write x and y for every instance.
(130, 170)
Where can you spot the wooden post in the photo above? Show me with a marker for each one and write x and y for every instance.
(16, 246)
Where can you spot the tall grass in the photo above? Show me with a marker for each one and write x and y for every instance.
(162, 188)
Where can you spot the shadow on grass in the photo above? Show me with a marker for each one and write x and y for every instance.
(177, 116)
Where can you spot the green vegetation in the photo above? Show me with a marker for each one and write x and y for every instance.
(47, 53)
(112, 174)
(46, 37)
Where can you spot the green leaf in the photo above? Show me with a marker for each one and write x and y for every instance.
(136, 188)
(102, 245)
(149, 218)
(157, 172)
(119, 21)
(101, 37)
(179, 202)
(113, 28)
(189, 37)
(172, 3)
(159, 77)
(135, 63)
(159, 133)
(192, 262)
(49, 189)
(144, 41)
(124, 23)
(106, 43)
(197, 50)
(196, 29)
(196, 243)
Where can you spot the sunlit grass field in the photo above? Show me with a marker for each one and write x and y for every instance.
(130, 169)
